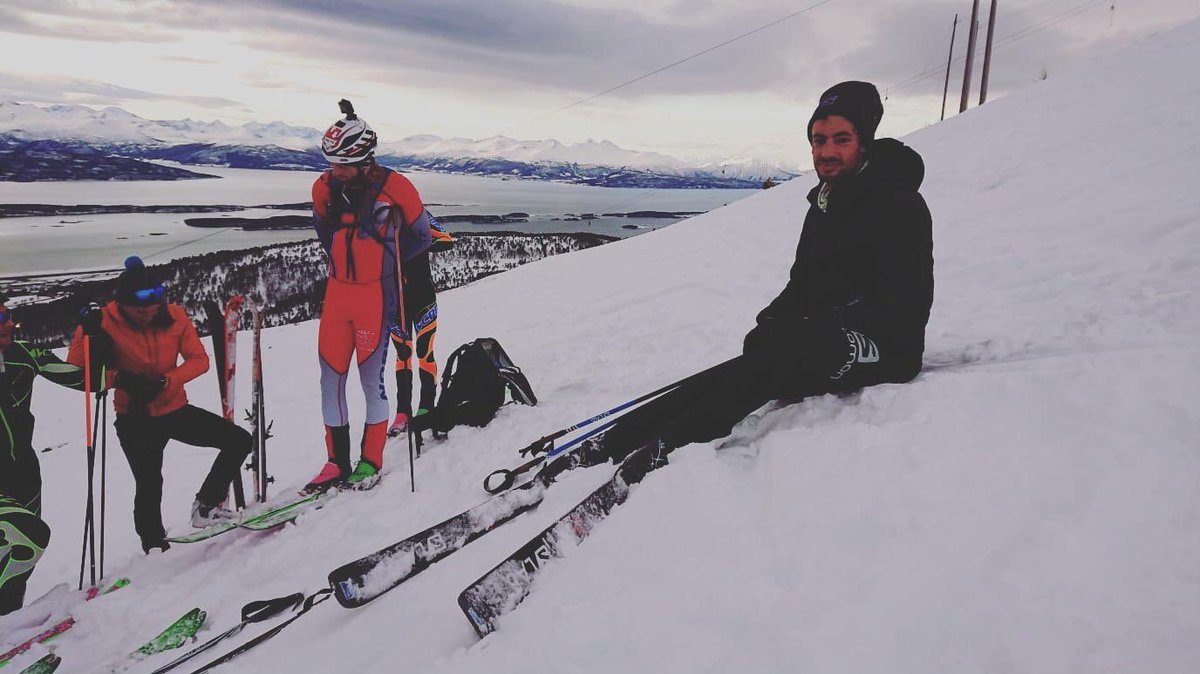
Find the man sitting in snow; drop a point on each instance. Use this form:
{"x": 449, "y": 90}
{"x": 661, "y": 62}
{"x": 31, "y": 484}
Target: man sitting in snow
{"x": 853, "y": 313}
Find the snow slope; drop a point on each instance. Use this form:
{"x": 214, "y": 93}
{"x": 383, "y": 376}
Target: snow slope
{"x": 1028, "y": 504}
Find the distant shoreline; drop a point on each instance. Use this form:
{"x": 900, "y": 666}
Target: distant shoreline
{"x": 287, "y": 278}
{"x": 43, "y": 210}
{"x": 296, "y": 221}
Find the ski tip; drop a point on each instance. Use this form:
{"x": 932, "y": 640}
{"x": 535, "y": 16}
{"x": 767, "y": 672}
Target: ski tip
{"x": 47, "y": 664}
{"x": 347, "y": 591}
{"x": 482, "y": 625}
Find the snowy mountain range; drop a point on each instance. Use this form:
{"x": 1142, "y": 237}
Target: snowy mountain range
{"x": 282, "y": 146}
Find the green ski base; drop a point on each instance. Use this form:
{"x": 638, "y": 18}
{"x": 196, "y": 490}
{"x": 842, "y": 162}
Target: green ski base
{"x": 267, "y": 519}
{"x": 177, "y": 634}
{"x": 46, "y": 665}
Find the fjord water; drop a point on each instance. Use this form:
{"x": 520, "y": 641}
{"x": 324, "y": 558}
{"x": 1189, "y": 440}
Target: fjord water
{"x": 58, "y": 243}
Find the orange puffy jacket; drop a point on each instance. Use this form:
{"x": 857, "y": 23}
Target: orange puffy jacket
{"x": 153, "y": 351}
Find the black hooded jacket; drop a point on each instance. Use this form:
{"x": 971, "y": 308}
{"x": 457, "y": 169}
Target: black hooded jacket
{"x": 866, "y": 263}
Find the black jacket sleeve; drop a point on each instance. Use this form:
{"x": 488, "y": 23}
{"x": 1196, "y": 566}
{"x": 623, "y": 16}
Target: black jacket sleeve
{"x": 792, "y": 301}
{"x": 901, "y": 299}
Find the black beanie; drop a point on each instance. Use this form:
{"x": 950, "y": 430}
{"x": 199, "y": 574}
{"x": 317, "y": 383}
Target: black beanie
{"x": 135, "y": 277}
{"x": 856, "y": 101}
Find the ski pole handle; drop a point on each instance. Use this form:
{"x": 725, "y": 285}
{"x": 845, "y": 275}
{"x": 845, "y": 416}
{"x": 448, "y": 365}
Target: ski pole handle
{"x": 258, "y": 611}
{"x": 509, "y": 477}
{"x": 538, "y": 446}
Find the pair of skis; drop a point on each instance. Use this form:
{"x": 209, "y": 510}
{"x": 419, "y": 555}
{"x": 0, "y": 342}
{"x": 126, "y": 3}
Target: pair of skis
{"x": 224, "y": 328}
{"x": 501, "y": 589}
{"x": 177, "y": 634}
{"x": 496, "y": 592}
{"x": 62, "y": 625}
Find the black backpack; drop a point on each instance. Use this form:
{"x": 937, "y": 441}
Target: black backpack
{"x": 473, "y": 385}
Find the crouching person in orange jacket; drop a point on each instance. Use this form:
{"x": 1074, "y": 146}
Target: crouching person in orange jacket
{"x": 143, "y": 337}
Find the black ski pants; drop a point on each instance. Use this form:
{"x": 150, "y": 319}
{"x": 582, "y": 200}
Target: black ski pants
{"x": 788, "y": 360}
{"x": 143, "y": 440}
{"x": 420, "y": 310}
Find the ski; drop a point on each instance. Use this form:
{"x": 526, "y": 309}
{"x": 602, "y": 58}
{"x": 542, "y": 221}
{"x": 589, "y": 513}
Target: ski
{"x": 176, "y": 635}
{"x": 267, "y": 518}
{"x": 48, "y": 664}
{"x": 279, "y": 516}
{"x": 64, "y": 624}
{"x": 255, "y": 611}
{"x": 223, "y": 326}
{"x": 365, "y": 579}
{"x": 257, "y": 415}
{"x": 500, "y": 590}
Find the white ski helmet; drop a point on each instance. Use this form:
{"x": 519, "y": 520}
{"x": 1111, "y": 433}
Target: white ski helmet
{"x": 349, "y": 140}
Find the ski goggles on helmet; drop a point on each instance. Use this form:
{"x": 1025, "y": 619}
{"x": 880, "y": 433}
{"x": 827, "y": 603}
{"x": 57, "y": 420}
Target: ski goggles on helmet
{"x": 149, "y": 295}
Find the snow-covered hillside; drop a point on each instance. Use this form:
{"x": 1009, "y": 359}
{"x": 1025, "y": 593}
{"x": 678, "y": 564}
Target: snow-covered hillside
{"x": 1028, "y": 504}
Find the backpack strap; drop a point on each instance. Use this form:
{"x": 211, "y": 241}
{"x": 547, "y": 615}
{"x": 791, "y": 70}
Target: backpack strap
{"x": 518, "y": 385}
{"x": 451, "y": 363}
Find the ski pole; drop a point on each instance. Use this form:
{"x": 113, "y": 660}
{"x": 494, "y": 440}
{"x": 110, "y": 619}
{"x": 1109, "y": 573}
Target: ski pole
{"x": 412, "y": 473}
{"x": 405, "y": 338}
{"x": 102, "y": 411}
{"x": 254, "y": 612}
{"x": 545, "y": 444}
{"x": 89, "y": 438}
{"x": 509, "y": 477}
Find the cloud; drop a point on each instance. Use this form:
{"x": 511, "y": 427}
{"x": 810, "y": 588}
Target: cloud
{"x": 190, "y": 59}
{"x": 91, "y": 92}
{"x": 526, "y": 43}
{"x": 52, "y": 19}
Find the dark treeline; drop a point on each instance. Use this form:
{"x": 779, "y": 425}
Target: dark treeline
{"x": 287, "y": 279}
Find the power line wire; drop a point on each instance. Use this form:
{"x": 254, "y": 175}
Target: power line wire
{"x": 681, "y": 61}
{"x": 1008, "y": 39}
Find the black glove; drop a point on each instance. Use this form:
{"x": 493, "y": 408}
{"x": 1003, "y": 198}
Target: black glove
{"x": 139, "y": 386}
{"x": 104, "y": 351}
{"x": 90, "y": 318}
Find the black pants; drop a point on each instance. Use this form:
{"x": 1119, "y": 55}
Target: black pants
{"x": 786, "y": 360}
{"x": 420, "y": 310}
{"x": 143, "y": 440}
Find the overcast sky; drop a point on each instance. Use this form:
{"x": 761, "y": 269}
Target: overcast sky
{"x": 476, "y": 68}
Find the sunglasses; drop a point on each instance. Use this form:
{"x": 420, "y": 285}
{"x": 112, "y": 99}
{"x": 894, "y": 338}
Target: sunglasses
{"x": 148, "y": 294}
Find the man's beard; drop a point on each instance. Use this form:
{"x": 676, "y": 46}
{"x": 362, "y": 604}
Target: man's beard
{"x": 843, "y": 169}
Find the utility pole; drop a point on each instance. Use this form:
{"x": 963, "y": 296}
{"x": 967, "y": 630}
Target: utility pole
{"x": 966, "y": 90}
{"x": 987, "y": 55}
{"x": 949, "y": 60}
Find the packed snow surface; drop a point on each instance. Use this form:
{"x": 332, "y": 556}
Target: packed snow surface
{"x": 1028, "y": 504}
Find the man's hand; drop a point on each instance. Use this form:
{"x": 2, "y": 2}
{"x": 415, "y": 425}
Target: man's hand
{"x": 140, "y": 386}
{"x": 90, "y": 318}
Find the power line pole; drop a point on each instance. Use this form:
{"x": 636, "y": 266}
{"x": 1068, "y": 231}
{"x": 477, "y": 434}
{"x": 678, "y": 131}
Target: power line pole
{"x": 946, "y": 87}
{"x": 987, "y": 55}
{"x": 966, "y": 90}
